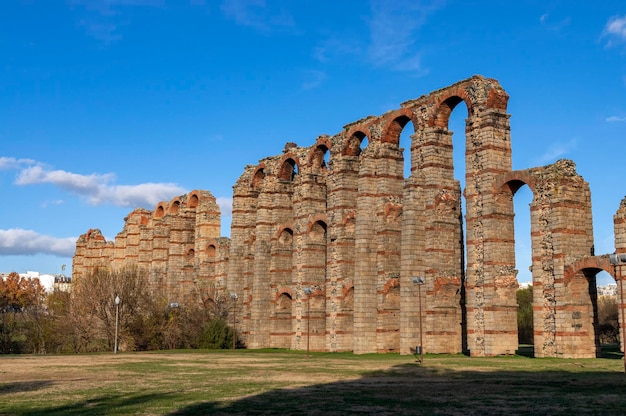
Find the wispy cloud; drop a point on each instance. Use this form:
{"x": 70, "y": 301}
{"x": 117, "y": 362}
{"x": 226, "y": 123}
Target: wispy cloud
{"x": 313, "y": 79}
{"x": 614, "y": 119}
{"x": 257, "y": 14}
{"x": 555, "y": 25}
{"x": 97, "y": 189}
{"x": 556, "y": 151}
{"x": 394, "y": 32}
{"x": 103, "y": 19}
{"x": 615, "y": 30}
{"x": 16, "y": 241}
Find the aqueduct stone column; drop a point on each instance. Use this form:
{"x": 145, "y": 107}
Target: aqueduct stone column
{"x": 490, "y": 284}
{"x": 342, "y": 196}
{"x": 619, "y": 224}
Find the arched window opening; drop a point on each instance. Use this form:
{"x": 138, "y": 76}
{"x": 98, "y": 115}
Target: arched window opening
{"x": 288, "y": 170}
{"x": 211, "y": 250}
{"x": 257, "y": 180}
{"x": 318, "y": 231}
{"x": 159, "y": 212}
{"x": 174, "y": 207}
{"x": 284, "y": 303}
{"x": 456, "y": 125}
{"x": 405, "y": 143}
{"x": 286, "y": 237}
{"x": 190, "y": 252}
{"x": 193, "y": 201}
{"x": 319, "y": 158}
{"x": 521, "y": 226}
{"x": 356, "y": 144}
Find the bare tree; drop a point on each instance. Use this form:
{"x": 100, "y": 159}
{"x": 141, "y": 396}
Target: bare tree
{"x": 93, "y": 307}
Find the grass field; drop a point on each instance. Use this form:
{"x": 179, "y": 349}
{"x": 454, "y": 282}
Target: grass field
{"x": 288, "y": 383}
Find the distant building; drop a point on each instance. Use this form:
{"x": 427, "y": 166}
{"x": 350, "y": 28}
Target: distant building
{"x": 48, "y": 281}
{"x": 608, "y": 290}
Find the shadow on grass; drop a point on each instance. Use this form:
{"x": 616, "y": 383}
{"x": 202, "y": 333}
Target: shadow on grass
{"x": 411, "y": 389}
{"x": 21, "y": 386}
{"x": 101, "y": 405}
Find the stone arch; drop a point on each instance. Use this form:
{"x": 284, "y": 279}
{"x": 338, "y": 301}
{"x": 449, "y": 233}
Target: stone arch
{"x": 193, "y": 200}
{"x": 282, "y": 322}
{"x": 174, "y": 206}
{"x": 511, "y": 182}
{"x": 284, "y": 235}
{"x": 352, "y": 146}
{"x": 396, "y": 123}
{"x": 390, "y": 287}
{"x": 282, "y": 291}
{"x": 316, "y": 156}
{"x": 289, "y": 168}
{"x": 159, "y": 211}
{"x": 593, "y": 264}
{"x": 444, "y": 109}
{"x": 211, "y": 251}
{"x": 317, "y": 228}
{"x": 257, "y": 177}
{"x": 477, "y": 93}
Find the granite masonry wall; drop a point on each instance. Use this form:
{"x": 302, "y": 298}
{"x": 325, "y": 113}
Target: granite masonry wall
{"x": 340, "y": 220}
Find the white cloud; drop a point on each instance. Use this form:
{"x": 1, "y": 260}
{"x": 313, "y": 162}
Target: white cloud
{"x": 97, "y": 189}
{"x": 10, "y": 163}
{"x": 615, "y": 30}
{"x": 556, "y": 151}
{"x": 16, "y": 241}
{"x": 613, "y": 119}
{"x": 393, "y": 32}
{"x": 226, "y": 206}
{"x": 257, "y": 14}
{"x": 145, "y": 195}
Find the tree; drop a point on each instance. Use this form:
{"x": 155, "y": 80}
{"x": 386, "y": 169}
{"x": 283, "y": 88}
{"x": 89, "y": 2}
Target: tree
{"x": 93, "y": 307}
{"x": 525, "y": 315}
{"x": 608, "y": 319}
{"x": 21, "y": 314}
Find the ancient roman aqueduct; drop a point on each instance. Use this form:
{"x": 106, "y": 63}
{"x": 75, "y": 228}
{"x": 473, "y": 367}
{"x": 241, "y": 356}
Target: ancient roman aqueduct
{"x": 340, "y": 218}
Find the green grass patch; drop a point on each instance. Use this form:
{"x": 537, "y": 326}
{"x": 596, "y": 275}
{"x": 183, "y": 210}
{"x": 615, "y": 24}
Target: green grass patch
{"x": 287, "y": 382}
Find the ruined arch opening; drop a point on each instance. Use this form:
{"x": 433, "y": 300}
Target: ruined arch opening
{"x": 257, "y": 179}
{"x": 174, "y": 207}
{"x": 583, "y": 299}
{"x": 320, "y": 158}
{"x": 288, "y": 170}
{"x": 193, "y": 201}
{"x": 282, "y": 325}
{"x": 405, "y": 125}
{"x": 451, "y": 127}
{"x": 455, "y": 113}
{"x": 318, "y": 232}
{"x": 515, "y": 285}
{"x": 356, "y": 144}
{"x": 159, "y": 212}
{"x": 285, "y": 239}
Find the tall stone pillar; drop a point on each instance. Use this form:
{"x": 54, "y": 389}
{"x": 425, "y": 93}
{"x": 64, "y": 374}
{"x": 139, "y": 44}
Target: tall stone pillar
{"x": 491, "y": 279}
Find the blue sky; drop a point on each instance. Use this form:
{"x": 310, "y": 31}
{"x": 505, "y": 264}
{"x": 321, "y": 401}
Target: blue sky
{"x": 110, "y": 105}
